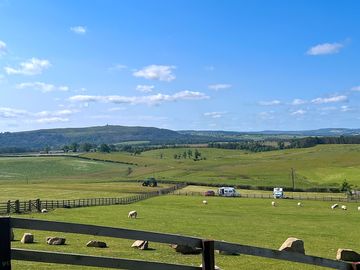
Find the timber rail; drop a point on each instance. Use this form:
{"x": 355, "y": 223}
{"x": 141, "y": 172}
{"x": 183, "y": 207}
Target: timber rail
{"x": 7, "y": 254}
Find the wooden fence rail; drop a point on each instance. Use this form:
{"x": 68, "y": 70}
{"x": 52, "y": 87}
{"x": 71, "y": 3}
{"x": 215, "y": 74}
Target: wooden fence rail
{"x": 36, "y": 205}
{"x": 208, "y": 247}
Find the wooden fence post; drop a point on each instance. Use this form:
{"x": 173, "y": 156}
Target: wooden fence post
{"x": 8, "y": 207}
{"x": 38, "y": 205}
{"x": 208, "y": 256}
{"x": 17, "y": 206}
{"x": 5, "y": 248}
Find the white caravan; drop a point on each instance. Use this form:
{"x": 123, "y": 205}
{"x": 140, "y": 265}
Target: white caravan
{"x": 227, "y": 192}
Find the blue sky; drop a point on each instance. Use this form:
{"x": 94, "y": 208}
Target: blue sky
{"x": 218, "y": 65}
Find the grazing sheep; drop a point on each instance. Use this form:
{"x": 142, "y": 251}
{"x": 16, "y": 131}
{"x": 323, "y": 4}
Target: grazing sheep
{"x": 343, "y": 207}
{"x": 358, "y": 208}
{"x": 299, "y": 204}
{"x": 204, "y": 202}
{"x": 334, "y": 206}
{"x": 44, "y": 210}
{"x": 132, "y": 214}
{"x": 273, "y": 203}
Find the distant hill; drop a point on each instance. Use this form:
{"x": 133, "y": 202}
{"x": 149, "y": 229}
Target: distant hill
{"x": 56, "y": 138}
{"x": 266, "y": 134}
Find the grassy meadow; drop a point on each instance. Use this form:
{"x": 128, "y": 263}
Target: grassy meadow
{"x": 246, "y": 221}
{"x": 323, "y": 165}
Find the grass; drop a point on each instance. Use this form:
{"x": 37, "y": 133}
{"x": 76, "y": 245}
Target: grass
{"x": 323, "y": 165}
{"x": 245, "y": 221}
{"x": 54, "y": 169}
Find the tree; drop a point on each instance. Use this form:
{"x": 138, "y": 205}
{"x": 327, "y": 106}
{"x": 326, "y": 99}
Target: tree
{"x": 161, "y": 155}
{"x": 129, "y": 171}
{"x": 66, "y": 148}
{"x": 189, "y": 152}
{"x": 346, "y": 187}
{"x": 74, "y": 147}
{"x": 86, "y": 147}
{"x": 197, "y": 154}
{"x": 104, "y": 148}
{"x": 184, "y": 155}
{"x": 175, "y": 156}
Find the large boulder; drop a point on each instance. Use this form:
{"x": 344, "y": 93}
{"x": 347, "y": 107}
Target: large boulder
{"x": 293, "y": 245}
{"x": 140, "y": 244}
{"x": 55, "y": 241}
{"x": 347, "y": 255}
{"x": 98, "y": 244}
{"x": 183, "y": 249}
{"x": 27, "y": 238}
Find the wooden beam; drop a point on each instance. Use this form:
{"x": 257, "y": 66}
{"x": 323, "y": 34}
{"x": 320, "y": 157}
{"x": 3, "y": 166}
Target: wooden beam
{"x": 281, "y": 255}
{"x": 66, "y": 227}
{"x": 208, "y": 255}
{"x": 86, "y": 260}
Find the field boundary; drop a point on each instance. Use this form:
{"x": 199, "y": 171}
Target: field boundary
{"x": 270, "y": 196}
{"x": 38, "y": 205}
{"x": 207, "y": 248}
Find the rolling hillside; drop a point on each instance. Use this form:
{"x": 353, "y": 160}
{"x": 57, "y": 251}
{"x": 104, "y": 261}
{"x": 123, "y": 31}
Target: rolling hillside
{"x": 55, "y": 138}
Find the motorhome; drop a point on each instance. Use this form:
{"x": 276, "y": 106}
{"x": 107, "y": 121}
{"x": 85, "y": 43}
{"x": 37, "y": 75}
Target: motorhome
{"x": 278, "y": 193}
{"x": 228, "y": 192}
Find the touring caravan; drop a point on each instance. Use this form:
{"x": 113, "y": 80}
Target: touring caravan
{"x": 278, "y": 193}
{"x": 227, "y": 192}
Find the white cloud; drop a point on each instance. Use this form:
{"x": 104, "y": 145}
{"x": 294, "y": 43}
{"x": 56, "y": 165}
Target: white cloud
{"x": 150, "y": 100}
{"x": 3, "y": 48}
{"x": 81, "y": 30}
{"x": 219, "y": 86}
{"x": 145, "y": 88}
{"x": 43, "y": 87}
{"x": 325, "y": 48}
{"x": 214, "y": 114}
{"x": 11, "y": 113}
{"x": 356, "y": 88}
{"x": 298, "y": 112}
{"x": 270, "y": 103}
{"x": 156, "y": 72}
{"x": 345, "y": 108}
{"x": 64, "y": 112}
{"x": 298, "y": 101}
{"x": 329, "y": 99}
{"x": 33, "y": 66}
{"x": 51, "y": 120}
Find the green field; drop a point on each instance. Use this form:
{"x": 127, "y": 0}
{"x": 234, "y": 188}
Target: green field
{"x": 323, "y": 165}
{"x": 245, "y": 221}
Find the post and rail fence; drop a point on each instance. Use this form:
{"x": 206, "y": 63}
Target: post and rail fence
{"x": 18, "y": 206}
{"x": 7, "y": 254}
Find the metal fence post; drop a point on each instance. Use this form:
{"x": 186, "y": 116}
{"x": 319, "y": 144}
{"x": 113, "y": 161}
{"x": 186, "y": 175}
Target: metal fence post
{"x": 5, "y": 248}
{"x": 208, "y": 256}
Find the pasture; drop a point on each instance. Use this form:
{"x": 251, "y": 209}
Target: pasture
{"x": 323, "y": 165}
{"x": 246, "y": 221}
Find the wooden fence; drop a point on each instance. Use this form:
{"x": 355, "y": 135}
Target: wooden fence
{"x": 37, "y": 205}
{"x": 270, "y": 196}
{"x": 208, "y": 246}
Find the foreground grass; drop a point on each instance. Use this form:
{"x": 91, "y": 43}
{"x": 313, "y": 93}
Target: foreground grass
{"x": 245, "y": 221}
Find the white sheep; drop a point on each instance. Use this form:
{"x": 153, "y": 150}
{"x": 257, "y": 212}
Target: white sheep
{"x": 44, "y": 210}
{"x": 299, "y": 204}
{"x": 204, "y": 202}
{"x": 334, "y": 206}
{"x": 343, "y": 207}
{"x": 358, "y": 208}
{"x": 132, "y": 214}
{"x": 273, "y": 203}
